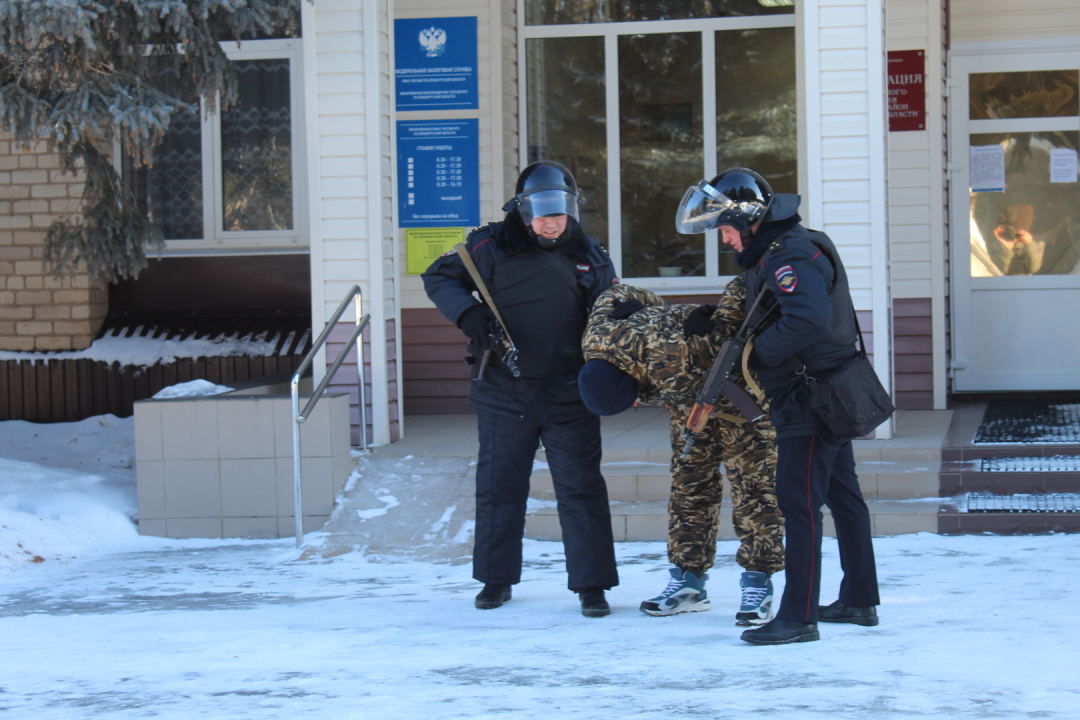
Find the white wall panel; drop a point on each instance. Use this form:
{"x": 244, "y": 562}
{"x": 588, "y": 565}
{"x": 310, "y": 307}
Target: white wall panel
{"x": 910, "y": 233}
{"x": 844, "y": 81}
{"x": 916, "y": 178}
{"x": 845, "y": 168}
{"x": 912, "y": 289}
{"x": 993, "y": 20}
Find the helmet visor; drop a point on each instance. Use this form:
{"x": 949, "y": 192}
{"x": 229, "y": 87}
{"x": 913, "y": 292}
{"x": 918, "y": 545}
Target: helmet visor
{"x": 700, "y": 209}
{"x": 704, "y": 208}
{"x": 547, "y": 202}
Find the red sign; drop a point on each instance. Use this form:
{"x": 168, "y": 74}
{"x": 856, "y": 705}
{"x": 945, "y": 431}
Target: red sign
{"x": 907, "y": 90}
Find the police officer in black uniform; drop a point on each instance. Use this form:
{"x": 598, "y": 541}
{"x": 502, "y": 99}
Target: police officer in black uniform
{"x": 812, "y": 330}
{"x": 543, "y": 273}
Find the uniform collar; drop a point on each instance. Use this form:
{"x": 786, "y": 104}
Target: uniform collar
{"x": 766, "y": 233}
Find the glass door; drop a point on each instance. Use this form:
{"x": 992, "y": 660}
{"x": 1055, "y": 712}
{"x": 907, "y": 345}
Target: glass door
{"x": 1015, "y": 132}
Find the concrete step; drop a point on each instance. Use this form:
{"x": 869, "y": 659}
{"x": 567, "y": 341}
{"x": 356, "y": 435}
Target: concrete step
{"x": 971, "y": 476}
{"x": 647, "y": 521}
{"x": 626, "y": 481}
{"x": 953, "y": 522}
{"x": 636, "y": 481}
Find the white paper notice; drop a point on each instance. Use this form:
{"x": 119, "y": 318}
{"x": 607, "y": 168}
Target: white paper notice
{"x": 1062, "y": 165}
{"x": 988, "y": 168}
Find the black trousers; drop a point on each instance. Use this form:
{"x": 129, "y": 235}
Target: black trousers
{"x": 507, "y": 449}
{"x": 812, "y": 471}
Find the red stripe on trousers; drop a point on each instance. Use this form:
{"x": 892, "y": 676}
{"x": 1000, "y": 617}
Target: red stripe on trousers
{"x": 813, "y": 527}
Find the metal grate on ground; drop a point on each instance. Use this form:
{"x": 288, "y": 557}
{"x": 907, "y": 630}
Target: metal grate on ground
{"x": 1054, "y": 463}
{"x": 978, "y": 502}
{"x": 1010, "y": 422}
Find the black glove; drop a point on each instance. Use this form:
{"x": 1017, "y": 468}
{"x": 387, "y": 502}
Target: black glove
{"x": 622, "y": 309}
{"x": 474, "y": 322}
{"x": 699, "y": 322}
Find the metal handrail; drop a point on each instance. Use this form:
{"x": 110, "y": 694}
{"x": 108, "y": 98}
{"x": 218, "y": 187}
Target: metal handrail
{"x": 300, "y": 417}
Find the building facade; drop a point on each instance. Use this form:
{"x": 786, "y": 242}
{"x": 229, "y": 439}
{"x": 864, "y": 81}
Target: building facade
{"x": 934, "y": 140}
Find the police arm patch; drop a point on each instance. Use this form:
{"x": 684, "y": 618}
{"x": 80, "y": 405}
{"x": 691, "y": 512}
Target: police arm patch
{"x": 786, "y": 279}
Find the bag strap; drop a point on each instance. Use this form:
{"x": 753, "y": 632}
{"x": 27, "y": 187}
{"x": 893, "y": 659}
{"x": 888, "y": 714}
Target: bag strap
{"x": 563, "y": 272}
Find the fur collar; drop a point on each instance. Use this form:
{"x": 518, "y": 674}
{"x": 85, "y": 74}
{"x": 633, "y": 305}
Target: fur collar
{"x": 513, "y": 236}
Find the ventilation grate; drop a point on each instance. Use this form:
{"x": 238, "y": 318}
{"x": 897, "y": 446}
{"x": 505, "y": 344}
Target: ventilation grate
{"x": 1055, "y": 463}
{"x": 1022, "y": 503}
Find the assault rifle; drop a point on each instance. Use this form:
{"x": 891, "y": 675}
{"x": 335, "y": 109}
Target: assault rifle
{"x": 497, "y": 331}
{"x": 719, "y": 381}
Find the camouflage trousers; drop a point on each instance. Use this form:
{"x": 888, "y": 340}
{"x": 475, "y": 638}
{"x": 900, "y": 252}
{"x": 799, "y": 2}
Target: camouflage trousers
{"x": 748, "y": 452}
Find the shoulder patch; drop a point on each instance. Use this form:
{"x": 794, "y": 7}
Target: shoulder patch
{"x": 786, "y": 279}
{"x": 615, "y": 281}
{"x": 584, "y": 268}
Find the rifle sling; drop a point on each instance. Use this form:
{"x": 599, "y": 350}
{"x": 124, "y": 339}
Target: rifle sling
{"x": 474, "y": 273}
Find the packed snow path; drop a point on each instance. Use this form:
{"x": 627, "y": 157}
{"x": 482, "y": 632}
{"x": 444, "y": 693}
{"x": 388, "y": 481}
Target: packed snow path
{"x": 374, "y": 618}
{"x": 972, "y": 627}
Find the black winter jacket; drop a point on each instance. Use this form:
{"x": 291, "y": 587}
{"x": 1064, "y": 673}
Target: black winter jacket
{"x": 815, "y": 322}
{"x": 536, "y": 316}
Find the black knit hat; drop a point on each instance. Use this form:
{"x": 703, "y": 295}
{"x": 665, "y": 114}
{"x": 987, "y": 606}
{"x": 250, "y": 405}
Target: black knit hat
{"x": 606, "y": 389}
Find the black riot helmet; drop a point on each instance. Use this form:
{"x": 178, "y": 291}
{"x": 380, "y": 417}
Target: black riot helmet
{"x": 737, "y": 197}
{"x": 544, "y": 188}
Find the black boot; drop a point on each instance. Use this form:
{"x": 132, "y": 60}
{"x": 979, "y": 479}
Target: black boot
{"x": 492, "y": 596}
{"x": 838, "y": 612}
{"x": 782, "y": 632}
{"x": 593, "y": 603}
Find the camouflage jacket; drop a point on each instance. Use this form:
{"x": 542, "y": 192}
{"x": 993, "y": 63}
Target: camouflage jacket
{"x": 650, "y": 344}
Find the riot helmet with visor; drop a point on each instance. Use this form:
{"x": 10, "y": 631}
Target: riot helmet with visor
{"x": 737, "y": 197}
{"x": 545, "y": 188}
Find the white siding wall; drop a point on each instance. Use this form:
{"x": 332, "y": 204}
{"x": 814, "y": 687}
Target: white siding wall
{"x": 918, "y": 230}
{"x": 348, "y": 110}
{"x": 850, "y": 104}
{"x": 842, "y": 49}
{"x": 987, "y": 20}
{"x": 496, "y": 61}
{"x": 914, "y": 188}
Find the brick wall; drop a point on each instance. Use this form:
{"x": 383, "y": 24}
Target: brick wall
{"x": 37, "y": 310}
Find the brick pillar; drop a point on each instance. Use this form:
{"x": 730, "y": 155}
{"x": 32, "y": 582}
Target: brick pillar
{"x": 37, "y": 310}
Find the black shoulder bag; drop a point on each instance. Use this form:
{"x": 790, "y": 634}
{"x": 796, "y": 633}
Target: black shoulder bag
{"x": 849, "y": 400}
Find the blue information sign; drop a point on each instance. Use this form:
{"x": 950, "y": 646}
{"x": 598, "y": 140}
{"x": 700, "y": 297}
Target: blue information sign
{"x": 435, "y": 64}
{"x": 438, "y": 173}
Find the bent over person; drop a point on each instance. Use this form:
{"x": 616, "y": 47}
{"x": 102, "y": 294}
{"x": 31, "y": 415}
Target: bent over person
{"x": 800, "y": 274}
{"x": 638, "y": 348}
{"x": 543, "y": 274}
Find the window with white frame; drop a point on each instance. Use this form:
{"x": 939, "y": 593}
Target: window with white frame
{"x": 231, "y": 181}
{"x": 695, "y": 86}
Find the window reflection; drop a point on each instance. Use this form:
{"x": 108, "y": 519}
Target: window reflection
{"x": 756, "y": 111}
{"x": 170, "y": 192}
{"x": 562, "y": 12}
{"x": 660, "y": 121}
{"x": 1046, "y": 93}
{"x": 256, "y": 149}
{"x": 567, "y": 118}
{"x": 1033, "y": 228}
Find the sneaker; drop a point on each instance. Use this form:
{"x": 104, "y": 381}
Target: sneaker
{"x": 593, "y": 603}
{"x": 492, "y": 596}
{"x": 757, "y": 595}
{"x": 685, "y": 592}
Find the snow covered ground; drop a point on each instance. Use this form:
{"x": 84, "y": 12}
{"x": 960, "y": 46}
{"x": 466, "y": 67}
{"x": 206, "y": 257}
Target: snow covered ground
{"x": 96, "y": 621}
